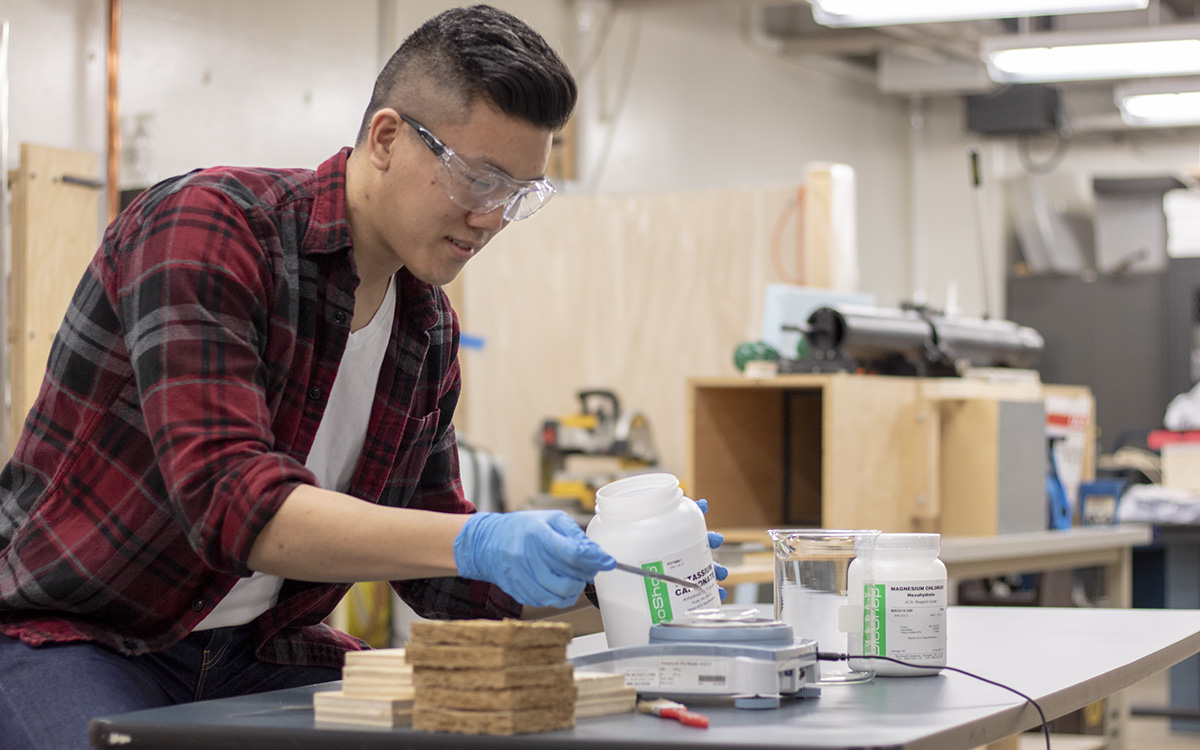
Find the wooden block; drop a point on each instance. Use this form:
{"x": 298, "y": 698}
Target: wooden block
{"x": 376, "y": 690}
{"x": 493, "y": 700}
{"x": 342, "y": 717}
{"x": 602, "y": 694}
{"x": 595, "y": 683}
{"x": 494, "y": 722}
{"x": 620, "y": 701}
{"x": 376, "y": 674}
{"x": 558, "y": 675}
{"x": 337, "y": 699}
{"x": 483, "y": 657}
{"x": 379, "y": 658}
{"x": 373, "y": 688}
{"x": 378, "y": 678}
{"x": 491, "y": 632}
{"x": 335, "y": 706}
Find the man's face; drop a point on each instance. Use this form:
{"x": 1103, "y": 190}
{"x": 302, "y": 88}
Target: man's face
{"x": 418, "y": 223}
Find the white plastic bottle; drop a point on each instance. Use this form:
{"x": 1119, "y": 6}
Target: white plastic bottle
{"x": 903, "y": 584}
{"x": 645, "y": 520}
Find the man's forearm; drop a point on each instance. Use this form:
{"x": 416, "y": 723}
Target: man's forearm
{"x": 326, "y": 536}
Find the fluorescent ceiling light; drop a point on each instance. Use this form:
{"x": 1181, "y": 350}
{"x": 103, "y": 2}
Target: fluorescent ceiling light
{"x": 884, "y": 12}
{"x": 1160, "y": 102}
{"x": 1162, "y": 109}
{"x": 1078, "y": 56}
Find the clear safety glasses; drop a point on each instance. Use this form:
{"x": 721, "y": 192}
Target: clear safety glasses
{"x": 483, "y": 189}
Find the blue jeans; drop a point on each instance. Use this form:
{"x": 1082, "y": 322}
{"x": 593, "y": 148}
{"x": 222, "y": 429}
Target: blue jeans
{"x": 49, "y": 695}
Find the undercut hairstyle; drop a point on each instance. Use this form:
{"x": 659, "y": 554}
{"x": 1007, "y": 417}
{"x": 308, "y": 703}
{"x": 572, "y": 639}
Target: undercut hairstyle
{"x": 480, "y": 52}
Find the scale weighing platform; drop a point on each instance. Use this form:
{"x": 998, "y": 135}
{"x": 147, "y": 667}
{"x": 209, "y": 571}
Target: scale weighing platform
{"x": 716, "y": 653}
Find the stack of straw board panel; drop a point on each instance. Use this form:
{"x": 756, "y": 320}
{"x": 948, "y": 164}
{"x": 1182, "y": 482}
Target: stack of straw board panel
{"x": 377, "y": 690}
{"x": 379, "y": 686}
{"x": 491, "y": 677}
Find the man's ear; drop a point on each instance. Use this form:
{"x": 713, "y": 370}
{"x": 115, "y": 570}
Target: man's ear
{"x": 382, "y": 139}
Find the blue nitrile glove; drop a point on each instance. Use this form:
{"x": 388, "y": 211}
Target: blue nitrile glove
{"x": 538, "y": 557}
{"x": 715, "y": 540}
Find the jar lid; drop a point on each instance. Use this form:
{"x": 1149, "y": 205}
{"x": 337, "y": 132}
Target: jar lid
{"x": 638, "y": 496}
{"x": 909, "y": 541}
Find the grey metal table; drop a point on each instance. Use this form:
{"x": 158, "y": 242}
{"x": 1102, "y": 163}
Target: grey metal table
{"x": 1181, "y": 546}
{"x": 1064, "y": 658}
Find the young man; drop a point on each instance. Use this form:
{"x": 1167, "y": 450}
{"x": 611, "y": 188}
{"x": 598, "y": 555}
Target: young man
{"x": 249, "y": 405}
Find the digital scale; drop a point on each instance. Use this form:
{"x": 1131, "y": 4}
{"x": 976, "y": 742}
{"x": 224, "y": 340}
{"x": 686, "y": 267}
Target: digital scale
{"x": 721, "y": 652}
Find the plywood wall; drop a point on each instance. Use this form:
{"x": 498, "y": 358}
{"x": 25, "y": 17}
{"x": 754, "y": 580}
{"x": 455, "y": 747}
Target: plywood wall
{"x": 54, "y": 238}
{"x": 632, "y": 293}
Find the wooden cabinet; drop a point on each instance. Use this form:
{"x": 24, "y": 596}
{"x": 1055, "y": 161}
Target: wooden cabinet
{"x": 956, "y": 456}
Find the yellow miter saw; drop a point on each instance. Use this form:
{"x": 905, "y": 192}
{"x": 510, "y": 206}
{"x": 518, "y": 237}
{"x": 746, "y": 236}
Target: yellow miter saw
{"x": 582, "y": 452}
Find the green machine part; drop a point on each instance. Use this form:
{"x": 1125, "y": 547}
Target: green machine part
{"x": 752, "y": 351}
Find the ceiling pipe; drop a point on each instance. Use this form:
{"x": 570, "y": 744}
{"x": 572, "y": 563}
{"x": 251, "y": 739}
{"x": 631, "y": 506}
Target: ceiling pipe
{"x": 963, "y": 44}
{"x": 755, "y": 36}
{"x": 931, "y": 42}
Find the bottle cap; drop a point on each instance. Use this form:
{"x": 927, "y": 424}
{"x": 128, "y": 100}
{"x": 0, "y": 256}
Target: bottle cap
{"x": 909, "y": 541}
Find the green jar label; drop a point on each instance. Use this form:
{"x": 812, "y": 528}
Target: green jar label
{"x": 905, "y": 620}
{"x": 658, "y": 594}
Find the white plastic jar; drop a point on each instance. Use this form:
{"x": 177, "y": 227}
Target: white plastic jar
{"x": 903, "y": 584}
{"x": 646, "y": 521}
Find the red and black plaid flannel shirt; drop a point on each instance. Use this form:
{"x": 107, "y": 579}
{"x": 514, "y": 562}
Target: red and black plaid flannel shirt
{"x": 182, "y": 395}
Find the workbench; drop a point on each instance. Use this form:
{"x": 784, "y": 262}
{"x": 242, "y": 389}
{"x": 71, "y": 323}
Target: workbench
{"x": 1064, "y": 658}
{"x": 1106, "y": 547}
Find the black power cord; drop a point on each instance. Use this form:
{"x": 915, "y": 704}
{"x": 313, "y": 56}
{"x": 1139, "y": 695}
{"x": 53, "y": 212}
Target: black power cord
{"x": 826, "y": 656}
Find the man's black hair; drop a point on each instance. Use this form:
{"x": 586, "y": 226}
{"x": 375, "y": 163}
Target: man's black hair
{"x": 477, "y": 53}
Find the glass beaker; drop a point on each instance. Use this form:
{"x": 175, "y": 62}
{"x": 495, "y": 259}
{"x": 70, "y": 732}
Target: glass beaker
{"x": 811, "y": 593}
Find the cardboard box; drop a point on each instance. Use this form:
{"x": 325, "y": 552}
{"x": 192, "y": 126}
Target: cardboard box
{"x": 1181, "y": 466}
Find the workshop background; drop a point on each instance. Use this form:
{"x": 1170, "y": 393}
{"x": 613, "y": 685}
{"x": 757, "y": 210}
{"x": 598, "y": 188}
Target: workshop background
{"x": 721, "y": 149}
{"x": 698, "y": 125}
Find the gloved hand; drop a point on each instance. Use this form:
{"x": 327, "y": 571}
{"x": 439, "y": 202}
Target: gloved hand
{"x": 541, "y": 558}
{"x": 715, "y": 539}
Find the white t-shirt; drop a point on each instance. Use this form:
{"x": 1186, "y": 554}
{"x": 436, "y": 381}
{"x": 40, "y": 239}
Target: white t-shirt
{"x": 334, "y": 455}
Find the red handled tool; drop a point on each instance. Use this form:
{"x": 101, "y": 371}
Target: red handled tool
{"x": 672, "y": 710}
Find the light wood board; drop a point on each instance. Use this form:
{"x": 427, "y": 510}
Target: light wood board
{"x": 54, "y": 239}
{"x": 634, "y": 293}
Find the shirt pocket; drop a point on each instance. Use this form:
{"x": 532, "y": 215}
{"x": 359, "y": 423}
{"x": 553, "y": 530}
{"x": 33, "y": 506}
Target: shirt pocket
{"x": 413, "y": 468}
